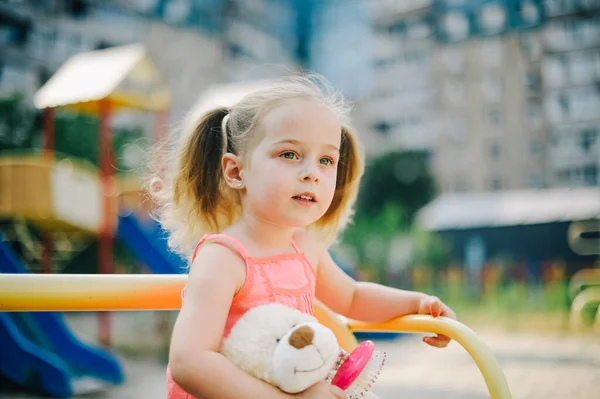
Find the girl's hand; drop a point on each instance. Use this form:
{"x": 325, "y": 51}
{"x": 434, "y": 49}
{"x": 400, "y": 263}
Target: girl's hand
{"x": 431, "y": 305}
{"x": 322, "y": 390}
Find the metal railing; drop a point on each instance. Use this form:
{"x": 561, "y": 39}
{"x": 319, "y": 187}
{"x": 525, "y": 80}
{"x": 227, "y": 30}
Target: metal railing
{"x": 67, "y": 293}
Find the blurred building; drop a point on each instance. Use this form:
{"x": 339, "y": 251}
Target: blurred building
{"x": 486, "y": 85}
{"x": 570, "y": 72}
{"x": 37, "y": 37}
{"x": 399, "y": 112}
{"x": 499, "y": 94}
{"x": 517, "y": 82}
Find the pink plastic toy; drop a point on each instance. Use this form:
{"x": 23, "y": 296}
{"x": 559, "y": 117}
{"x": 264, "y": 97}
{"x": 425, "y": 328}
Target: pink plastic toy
{"x": 356, "y": 372}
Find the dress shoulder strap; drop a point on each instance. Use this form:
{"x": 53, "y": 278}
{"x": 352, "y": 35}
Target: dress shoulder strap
{"x": 296, "y": 247}
{"x": 224, "y": 239}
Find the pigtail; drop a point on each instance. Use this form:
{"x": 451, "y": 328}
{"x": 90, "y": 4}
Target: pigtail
{"x": 195, "y": 200}
{"x": 349, "y": 173}
{"x": 201, "y": 177}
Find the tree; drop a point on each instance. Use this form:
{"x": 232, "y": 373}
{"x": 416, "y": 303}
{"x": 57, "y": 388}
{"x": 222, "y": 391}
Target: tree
{"x": 17, "y": 124}
{"x": 75, "y": 135}
{"x": 398, "y": 178}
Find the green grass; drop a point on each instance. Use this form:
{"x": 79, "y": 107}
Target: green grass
{"x": 513, "y": 306}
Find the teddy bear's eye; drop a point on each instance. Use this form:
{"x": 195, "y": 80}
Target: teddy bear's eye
{"x": 278, "y": 339}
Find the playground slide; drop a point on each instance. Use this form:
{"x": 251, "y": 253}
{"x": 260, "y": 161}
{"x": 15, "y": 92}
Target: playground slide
{"x": 40, "y": 352}
{"x": 148, "y": 243}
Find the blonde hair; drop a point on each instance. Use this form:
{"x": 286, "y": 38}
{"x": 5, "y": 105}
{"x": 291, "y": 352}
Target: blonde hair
{"x": 193, "y": 198}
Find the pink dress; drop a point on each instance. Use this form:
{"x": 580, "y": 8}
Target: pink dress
{"x": 288, "y": 279}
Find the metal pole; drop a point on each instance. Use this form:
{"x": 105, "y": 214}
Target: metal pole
{"x": 105, "y": 250}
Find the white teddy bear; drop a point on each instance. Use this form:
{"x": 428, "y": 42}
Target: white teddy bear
{"x": 288, "y": 349}
{"x": 282, "y": 346}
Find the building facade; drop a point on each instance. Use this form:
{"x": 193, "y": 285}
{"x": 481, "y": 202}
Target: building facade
{"x": 498, "y": 94}
{"x": 517, "y": 82}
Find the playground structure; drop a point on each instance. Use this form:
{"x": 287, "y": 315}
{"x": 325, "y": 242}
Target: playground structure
{"x": 72, "y": 197}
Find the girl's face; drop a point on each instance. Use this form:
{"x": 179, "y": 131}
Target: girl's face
{"x": 290, "y": 175}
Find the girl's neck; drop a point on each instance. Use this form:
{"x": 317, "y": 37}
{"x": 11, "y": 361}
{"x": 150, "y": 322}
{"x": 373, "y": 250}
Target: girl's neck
{"x": 262, "y": 233}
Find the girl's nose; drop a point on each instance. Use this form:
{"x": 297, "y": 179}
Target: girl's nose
{"x": 309, "y": 174}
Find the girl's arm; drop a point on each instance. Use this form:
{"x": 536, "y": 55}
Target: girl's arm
{"x": 194, "y": 360}
{"x": 364, "y": 301}
{"x": 371, "y": 302}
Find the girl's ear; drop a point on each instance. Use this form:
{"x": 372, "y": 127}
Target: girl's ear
{"x": 232, "y": 171}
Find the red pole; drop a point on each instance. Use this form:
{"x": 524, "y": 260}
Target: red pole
{"x": 46, "y": 253}
{"x": 48, "y": 138}
{"x": 48, "y": 154}
{"x": 105, "y": 250}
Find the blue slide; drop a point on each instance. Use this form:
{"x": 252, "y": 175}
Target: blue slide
{"x": 148, "y": 243}
{"x": 40, "y": 352}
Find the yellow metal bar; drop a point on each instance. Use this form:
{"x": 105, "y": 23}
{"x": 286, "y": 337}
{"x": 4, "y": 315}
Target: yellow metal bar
{"x": 337, "y": 324}
{"x": 582, "y": 279}
{"x": 77, "y": 292}
{"x": 587, "y": 297}
{"x": 467, "y": 338}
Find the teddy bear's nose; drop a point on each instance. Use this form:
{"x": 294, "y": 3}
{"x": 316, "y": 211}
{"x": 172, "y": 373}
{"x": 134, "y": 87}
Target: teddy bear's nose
{"x": 302, "y": 337}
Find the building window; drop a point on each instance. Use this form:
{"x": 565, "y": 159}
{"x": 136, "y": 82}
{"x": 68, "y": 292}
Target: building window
{"x": 534, "y": 181}
{"x": 492, "y": 88}
{"x": 493, "y": 117}
{"x": 560, "y": 7}
{"x": 529, "y": 12}
{"x": 532, "y": 82}
{"x": 456, "y": 25}
{"x": 590, "y": 175}
{"x": 418, "y": 29}
{"x": 495, "y": 184}
{"x": 456, "y": 128}
{"x": 563, "y": 103}
{"x": 453, "y": 59}
{"x": 494, "y": 151}
{"x": 383, "y": 127}
{"x": 533, "y": 115}
{"x": 535, "y": 147}
{"x": 531, "y": 46}
{"x": 588, "y": 138}
{"x": 455, "y": 92}
{"x": 493, "y": 17}
{"x": 581, "y": 68}
{"x": 177, "y": 12}
{"x": 491, "y": 53}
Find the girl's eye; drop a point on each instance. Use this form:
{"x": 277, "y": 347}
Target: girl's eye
{"x": 326, "y": 161}
{"x": 289, "y": 155}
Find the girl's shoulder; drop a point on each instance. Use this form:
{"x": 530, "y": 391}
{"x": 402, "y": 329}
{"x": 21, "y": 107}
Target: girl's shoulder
{"x": 216, "y": 257}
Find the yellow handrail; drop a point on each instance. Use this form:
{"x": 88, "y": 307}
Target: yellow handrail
{"x": 585, "y": 298}
{"x": 480, "y": 352}
{"x": 78, "y": 292}
{"x": 95, "y": 292}
{"x": 583, "y": 279}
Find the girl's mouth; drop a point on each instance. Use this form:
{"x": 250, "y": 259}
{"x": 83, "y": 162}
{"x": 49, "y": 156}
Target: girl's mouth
{"x": 305, "y": 199}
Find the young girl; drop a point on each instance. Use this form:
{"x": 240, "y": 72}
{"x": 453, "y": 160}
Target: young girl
{"x": 265, "y": 187}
